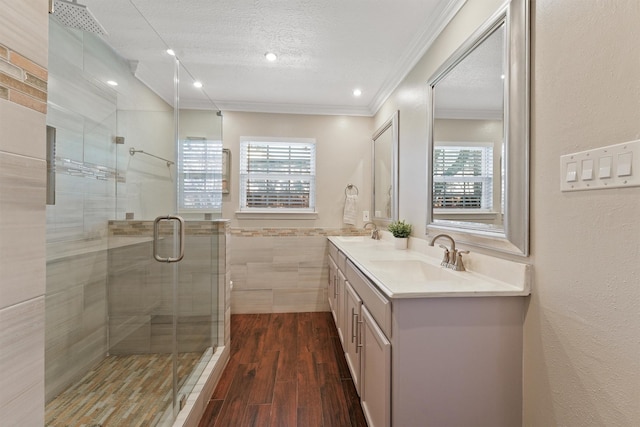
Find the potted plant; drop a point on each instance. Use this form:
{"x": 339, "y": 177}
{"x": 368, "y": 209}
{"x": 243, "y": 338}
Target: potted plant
{"x": 401, "y": 231}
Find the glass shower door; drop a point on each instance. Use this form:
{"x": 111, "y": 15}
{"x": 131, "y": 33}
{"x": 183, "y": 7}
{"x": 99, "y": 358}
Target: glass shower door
{"x": 126, "y": 336}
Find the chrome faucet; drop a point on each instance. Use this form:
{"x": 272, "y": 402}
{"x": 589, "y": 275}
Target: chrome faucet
{"x": 452, "y": 257}
{"x": 375, "y": 234}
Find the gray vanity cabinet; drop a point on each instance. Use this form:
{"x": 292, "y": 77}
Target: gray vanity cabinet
{"x": 456, "y": 361}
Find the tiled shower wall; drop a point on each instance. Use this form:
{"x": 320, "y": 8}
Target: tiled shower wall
{"x": 84, "y": 115}
{"x": 23, "y": 94}
{"x": 281, "y": 270}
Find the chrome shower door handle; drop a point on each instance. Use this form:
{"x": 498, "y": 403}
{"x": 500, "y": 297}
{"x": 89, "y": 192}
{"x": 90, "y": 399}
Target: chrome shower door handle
{"x": 156, "y": 234}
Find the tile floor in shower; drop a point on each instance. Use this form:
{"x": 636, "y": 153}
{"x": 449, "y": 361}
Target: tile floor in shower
{"x": 131, "y": 390}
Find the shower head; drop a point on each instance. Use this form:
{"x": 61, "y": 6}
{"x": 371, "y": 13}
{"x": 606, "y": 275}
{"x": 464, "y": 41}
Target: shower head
{"x": 75, "y": 15}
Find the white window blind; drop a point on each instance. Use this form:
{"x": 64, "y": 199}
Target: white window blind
{"x": 463, "y": 177}
{"x": 277, "y": 175}
{"x": 199, "y": 175}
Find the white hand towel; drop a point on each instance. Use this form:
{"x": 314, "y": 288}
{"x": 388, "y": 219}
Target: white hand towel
{"x": 350, "y": 209}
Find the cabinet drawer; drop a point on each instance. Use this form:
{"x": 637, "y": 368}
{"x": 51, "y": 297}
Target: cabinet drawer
{"x": 333, "y": 252}
{"x": 377, "y": 304}
{"x": 342, "y": 261}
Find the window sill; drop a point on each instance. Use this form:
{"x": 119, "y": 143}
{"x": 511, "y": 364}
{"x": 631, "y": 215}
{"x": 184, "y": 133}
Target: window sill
{"x": 276, "y": 215}
{"x": 465, "y": 215}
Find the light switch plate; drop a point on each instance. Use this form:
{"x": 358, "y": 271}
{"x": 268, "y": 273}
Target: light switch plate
{"x": 365, "y": 215}
{"x": 614, "y": 166}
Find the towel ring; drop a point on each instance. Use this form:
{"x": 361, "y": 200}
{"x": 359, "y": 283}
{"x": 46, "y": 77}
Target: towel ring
{"x": 349, "y": 188}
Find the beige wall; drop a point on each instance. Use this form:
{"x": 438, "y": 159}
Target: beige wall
{"x": 582, "y": 330}
{"x": 343, "y": 150}
{"x": 582, "y": 326}
{"x": 23, "y": 94}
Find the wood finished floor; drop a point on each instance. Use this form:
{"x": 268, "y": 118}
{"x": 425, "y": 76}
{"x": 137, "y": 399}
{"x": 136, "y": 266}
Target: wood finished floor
{"x": 285, "y": 370}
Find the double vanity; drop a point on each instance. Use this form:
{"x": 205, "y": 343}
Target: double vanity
{"x": 427, "y": 345}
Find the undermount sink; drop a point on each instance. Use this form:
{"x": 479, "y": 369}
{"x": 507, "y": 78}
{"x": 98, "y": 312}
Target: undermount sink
{"x": 414, "y": 271}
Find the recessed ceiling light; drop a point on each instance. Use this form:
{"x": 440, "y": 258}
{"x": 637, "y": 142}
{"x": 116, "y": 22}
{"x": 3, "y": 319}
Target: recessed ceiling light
{"x": 271, "y": 57}
{"x": 197, "y": 84}
{"x": 112, "y": 83}
{"x": 502, "y": 76}
{"x": 357, "y": 92}
{"x": 171, "y": 52}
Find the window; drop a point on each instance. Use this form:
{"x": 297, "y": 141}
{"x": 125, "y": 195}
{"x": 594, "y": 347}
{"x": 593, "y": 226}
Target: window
{"x": 463, "y": 177}
{"x": 199, "y": 175}
{"x": 277, "y": 175}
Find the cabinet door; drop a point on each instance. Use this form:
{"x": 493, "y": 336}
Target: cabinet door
{"x": 352, "y": 320}
{"x": 375, "y": 386}
{"x": 340, "y": 316}
{"x": 332, "y": 288}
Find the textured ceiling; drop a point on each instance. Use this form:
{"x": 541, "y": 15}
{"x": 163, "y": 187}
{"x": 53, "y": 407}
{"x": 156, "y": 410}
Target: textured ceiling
{"x": 325, "y": 49}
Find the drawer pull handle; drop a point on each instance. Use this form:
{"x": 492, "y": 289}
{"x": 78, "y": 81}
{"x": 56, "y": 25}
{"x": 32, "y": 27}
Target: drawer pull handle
{"x": 359, "y": 343}
{"x": 353, "y": 326}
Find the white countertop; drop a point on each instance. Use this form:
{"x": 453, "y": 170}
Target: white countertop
{"x": 416, "y": 272}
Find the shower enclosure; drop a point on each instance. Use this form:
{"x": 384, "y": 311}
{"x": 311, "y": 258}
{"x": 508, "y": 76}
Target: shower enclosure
{"x": 128, "y": 332}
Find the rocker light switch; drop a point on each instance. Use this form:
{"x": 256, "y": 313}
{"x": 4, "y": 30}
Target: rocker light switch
{"x": 624, "y": 164}
{"x": 572, "y": 172}
{"x": 587, "y": 170}
{"x": 605, "y": 167}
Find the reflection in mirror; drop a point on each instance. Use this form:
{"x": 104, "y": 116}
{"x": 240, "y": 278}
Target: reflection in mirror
{"x": 385, "y": 171}
{"x": 468, "y": 134}
{"x": 478, "y": 136}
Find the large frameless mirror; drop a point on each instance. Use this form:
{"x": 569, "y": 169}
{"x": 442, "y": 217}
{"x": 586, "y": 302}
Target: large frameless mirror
{"x": 385, "y": 171}
{"x": 479, "y": 136}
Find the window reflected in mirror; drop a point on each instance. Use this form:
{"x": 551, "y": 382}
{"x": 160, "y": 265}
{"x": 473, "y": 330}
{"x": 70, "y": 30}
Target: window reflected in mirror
{"x": 468, "y": 135}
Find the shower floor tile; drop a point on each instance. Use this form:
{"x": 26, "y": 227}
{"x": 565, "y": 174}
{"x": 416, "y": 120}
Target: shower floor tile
{"x": 131, "y": 390}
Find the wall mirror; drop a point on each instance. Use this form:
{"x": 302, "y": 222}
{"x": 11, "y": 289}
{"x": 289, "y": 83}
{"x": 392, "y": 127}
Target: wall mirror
{"x": 385, "y": 171}
{"x": 479, "y": 137}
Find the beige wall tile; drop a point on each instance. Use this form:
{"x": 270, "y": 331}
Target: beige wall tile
{"x": 22, "y": 364}
{"x": 239, "y": 276}
{"x": 297, "y": 300}
{"x": 254, "y": 301}
{"x": 22, "y": 227}
{"x": 282, "y": 262}
{"x": 262, "y": 275}
{"x": 24, "y": 28}
{"x": 312, "y": 277}
{"x": 23, "y": 130}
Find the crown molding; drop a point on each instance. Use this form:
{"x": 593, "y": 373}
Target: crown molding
{"x": 314, "y": 109}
